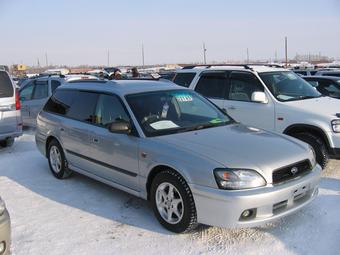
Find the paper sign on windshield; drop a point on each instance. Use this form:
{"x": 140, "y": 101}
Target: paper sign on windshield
{"x": 163, "y": 124}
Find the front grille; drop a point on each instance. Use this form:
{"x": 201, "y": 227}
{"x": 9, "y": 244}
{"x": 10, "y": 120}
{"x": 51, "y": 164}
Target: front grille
{"x": 292, "y": 171}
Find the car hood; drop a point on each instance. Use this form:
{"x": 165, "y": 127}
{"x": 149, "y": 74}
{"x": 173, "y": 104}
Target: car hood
{"x": 238, "y": 146}
{"x": 325, "y": 106}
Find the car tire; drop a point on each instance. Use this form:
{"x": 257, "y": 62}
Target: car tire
{"x": 7, "y": 143}
{"x": 180, "y": 204}
{"x": 57, "y": 161}
{"x": 318, "y": 145}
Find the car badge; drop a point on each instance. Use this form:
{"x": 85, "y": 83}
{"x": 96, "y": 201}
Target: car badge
{"x": 294, "y": 170}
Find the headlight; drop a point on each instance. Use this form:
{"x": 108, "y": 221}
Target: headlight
{"x": 2, "y": 207}
{"x": 313, "y": 156}
{"x": 238, "y": 179}
{"x": 336, "y": 126}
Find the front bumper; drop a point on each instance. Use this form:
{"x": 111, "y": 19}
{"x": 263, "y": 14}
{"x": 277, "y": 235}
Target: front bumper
{"x": 334, "y": 142}
{"x": 224, "y": 208}
{"x": 5, "y": 232}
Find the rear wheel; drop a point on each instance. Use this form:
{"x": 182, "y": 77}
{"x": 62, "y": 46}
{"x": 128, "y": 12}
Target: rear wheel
{"x": 7, "y": 143}
{"x": 172, "y": 202}
{"x": 57, "y": 160}
{"x": 318, "y": 145}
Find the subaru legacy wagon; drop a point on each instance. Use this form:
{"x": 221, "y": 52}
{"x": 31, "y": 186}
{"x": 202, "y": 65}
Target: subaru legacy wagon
{"x": 173, "y": 147}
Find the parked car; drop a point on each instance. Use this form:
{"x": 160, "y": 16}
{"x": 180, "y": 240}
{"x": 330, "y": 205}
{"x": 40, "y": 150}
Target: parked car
{"x": 170, "y": 145}
{"x": 326, "y": 85}
{"x": 34, "y": 94}
{"x": 274, "y": 99}
{"x": 335, "y": 72}
{"x": 305, "y": 72}
{"x": 5, "y": 229}
{"x": 10, "y": 116}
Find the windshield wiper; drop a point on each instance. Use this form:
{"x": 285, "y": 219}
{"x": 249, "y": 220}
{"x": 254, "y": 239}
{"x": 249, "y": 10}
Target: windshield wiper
{"x": 202, "y": 126}
{"x": 303, "y": 98}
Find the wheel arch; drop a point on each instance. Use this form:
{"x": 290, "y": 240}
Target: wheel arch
{"x": 154, "y": 171}
{"x": 305, "y": 128}
{"x": 48, "y": 140}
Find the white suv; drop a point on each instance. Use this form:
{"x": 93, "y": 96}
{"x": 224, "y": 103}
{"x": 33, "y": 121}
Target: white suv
{"x": 273, "y": 99}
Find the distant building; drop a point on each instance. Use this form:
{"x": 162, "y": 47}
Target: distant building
{"x": 312, "y": 58}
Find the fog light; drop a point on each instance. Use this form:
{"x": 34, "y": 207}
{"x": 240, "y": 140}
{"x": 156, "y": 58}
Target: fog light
{"x": 247, "y": 214}
{"x": 2, "y": 247}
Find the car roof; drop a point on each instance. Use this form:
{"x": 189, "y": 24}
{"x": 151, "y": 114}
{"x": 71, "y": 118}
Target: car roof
{"x": 330, "y": 71}
{"x": 323, "y": 77}
{"x": 249, "y": 68}
{"x": 122, "y": 87}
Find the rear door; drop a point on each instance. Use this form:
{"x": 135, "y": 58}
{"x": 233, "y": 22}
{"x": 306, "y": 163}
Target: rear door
{"x": 74, "y": 112}
{"x": 239, "y": 104}
{"x": 39, "y": 98}
{"x": 214, "y": 86}
{"x": 26, "y": 94}
{"x": 8, "y": 121}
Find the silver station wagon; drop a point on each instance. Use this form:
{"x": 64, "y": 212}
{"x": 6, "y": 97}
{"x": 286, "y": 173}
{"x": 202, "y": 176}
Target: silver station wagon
{"x": 170, "y": 145}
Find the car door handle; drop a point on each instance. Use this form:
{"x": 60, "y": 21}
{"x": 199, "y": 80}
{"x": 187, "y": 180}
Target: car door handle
{"x": 62, "y": 129}
{"x": 95, "y": 140}
{"x": 232, "y": 108}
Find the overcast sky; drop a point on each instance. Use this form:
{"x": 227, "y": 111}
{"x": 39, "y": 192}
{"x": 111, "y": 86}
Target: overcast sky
{"x": 77, "y": 32}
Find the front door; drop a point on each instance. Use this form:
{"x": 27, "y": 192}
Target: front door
{"x": 239, "y": 104}
{"x": 213, "y": 85}
{"x": 116, "y": 154}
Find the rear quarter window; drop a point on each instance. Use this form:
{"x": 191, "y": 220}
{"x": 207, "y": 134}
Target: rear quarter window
{"x": 6, "y": 87}
{"x": 184, "y": 79}
{"x": 78, "y": 105}
{"x": 60, "y": 102}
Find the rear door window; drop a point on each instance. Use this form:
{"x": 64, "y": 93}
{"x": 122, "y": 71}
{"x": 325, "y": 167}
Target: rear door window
{"x": 184, "y": 79}
{"x": 83, "y": 107}
{"x": 212, "y": 85}
{"x": 40, "y": 90}
{"x": 243, "y": 85}
{"x": 60, "y": 102}
{"x": 27, "y": 92}
{"x": 6, "y": 87}
{"x": 314, "y": 83}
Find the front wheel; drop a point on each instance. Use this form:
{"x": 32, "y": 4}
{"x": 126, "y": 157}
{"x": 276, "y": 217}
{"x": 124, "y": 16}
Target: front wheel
{"x": 318, "y": 145}
{"x": 173, "y": 202}
{"x": 57, "y": 160}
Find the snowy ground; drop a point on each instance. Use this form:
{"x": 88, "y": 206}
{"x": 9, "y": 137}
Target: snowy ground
{"x": 82, "y": 216}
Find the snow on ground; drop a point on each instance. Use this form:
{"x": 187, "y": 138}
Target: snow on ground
{"x": 82, "y": 216}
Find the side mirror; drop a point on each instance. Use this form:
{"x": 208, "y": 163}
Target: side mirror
{"x": 22, "y": 99}
{"x": 259, "y": 97}
{"x": 120, "y": 127}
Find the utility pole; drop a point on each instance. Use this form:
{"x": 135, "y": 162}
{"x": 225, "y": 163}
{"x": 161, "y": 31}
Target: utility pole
{"x": 247, "y": 56}
{"x": 276, "y": 56}
{"x": 286, "y": 51}
{"x": 108, "y": 58}
{"x": 204, "y": 54}
{"x": 143, "y": 54}
{"x": 46, "y": 59}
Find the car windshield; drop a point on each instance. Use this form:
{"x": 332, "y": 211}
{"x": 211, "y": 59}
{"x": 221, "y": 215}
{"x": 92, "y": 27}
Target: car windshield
{"x": 174, "y": 111}
{"x": 288, "y": 86}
